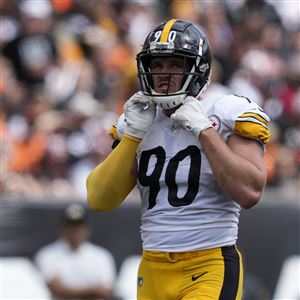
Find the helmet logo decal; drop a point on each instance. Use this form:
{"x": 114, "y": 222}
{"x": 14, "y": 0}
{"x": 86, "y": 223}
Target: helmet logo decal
{"x": 204, "y": 67}
{"x": 166, "y": 30}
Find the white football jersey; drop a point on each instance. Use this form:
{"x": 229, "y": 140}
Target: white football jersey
{"x": 183, "y": 207}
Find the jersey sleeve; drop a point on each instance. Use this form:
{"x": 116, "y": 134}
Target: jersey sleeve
{"x": 253, "y": 124}
{"x": 245, "y": 118}
{"x": 109, "y": 183}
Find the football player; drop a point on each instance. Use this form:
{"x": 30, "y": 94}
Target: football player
{"x": 196, "y": 162}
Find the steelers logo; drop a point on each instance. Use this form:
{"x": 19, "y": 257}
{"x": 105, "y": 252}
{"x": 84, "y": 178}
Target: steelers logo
{"x": 215, "y": 122}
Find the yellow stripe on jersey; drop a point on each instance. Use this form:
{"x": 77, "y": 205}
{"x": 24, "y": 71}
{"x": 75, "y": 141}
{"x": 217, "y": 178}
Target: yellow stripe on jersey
{"x": 252, "y": 130}
{"x": 114, "y": 133}
{"x": 166, "y": 30}
{"x": 255, "y": 116}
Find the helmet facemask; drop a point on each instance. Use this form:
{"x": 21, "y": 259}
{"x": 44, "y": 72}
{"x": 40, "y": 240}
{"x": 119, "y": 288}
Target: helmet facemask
{"x": 170, "y": 98}
{"x": 195, "y": 74}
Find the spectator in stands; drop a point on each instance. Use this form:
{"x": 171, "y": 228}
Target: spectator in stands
{"x": 73, "y": 267}
{"x": 33, "y": 52}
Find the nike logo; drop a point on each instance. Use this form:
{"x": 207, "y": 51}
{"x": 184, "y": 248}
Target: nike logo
{"x": 195, "y": 277}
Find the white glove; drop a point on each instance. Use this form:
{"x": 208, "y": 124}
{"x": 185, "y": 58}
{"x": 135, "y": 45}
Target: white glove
{"x": 139, "y": 113}
{"x": 191, "y": 116}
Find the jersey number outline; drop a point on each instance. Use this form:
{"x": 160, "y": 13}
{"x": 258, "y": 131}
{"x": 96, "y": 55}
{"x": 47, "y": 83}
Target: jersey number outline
{"x": 152, "y": 180}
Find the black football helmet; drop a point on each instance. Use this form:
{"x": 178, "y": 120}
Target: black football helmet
{"x": 182, "y": 39}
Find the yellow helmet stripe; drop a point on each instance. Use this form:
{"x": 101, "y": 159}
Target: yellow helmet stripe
{"x": 166, "y": 30}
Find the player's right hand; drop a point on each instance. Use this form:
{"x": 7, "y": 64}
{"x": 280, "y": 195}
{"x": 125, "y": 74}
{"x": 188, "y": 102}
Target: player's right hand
{"x": 139, "y": 113}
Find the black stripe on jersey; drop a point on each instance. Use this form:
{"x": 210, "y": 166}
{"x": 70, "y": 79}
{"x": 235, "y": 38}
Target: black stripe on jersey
{"x": 231, "y": 273}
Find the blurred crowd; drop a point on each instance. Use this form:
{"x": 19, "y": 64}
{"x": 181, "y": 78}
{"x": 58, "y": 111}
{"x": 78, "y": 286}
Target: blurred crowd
{"x": 68, "y": 66}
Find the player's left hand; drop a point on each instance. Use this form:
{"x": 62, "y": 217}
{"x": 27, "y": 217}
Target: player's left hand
{"x": 191, "y": 116}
